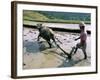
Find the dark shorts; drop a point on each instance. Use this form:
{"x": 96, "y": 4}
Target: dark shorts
{"x": 81, "y": 45}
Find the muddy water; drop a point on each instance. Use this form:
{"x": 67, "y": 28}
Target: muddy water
{"x": 39, "y": 55}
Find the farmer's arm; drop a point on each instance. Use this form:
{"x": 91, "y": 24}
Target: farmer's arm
{"x": 77, "y": 38}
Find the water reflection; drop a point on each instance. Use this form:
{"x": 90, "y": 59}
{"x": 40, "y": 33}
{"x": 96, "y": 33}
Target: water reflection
{"x": 34, "y": 47}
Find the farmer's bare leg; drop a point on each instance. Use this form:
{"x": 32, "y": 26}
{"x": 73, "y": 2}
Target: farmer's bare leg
{"x": 85, "y": 54}
{"x": 84, "y": 51}
{"x": 77, "y": 46}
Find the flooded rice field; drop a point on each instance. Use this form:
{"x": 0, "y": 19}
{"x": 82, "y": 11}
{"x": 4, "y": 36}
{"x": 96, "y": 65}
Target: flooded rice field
{"x": 58, "y": 25}
{"x": 37, "y": 54}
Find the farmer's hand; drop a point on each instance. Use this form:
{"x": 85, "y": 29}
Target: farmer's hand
{"x": 75, "y": 39}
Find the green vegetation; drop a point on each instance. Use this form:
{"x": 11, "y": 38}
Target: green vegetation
{"x": 60, "y": 17}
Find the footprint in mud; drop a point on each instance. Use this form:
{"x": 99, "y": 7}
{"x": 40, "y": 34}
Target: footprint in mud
{"x": 30, "y": 31}
{"x": 25, "y": 35}
{"x": 26, "y": 40}
{"x": 74, "y": 37}
{"x": 24, "y": 64}
{"x": 68, "y": 41}
{"x": 64, "y": 39}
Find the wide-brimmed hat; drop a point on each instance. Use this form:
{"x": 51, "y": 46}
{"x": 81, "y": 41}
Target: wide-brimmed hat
{"x": 82, "y": 24}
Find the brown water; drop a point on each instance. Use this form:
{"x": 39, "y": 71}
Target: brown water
{"x": 36, "y": 53}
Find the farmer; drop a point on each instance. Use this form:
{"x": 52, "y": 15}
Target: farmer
{"x": 82, "y": 38}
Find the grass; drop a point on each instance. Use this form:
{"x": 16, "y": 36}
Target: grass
{"x": 35, "y": 16}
